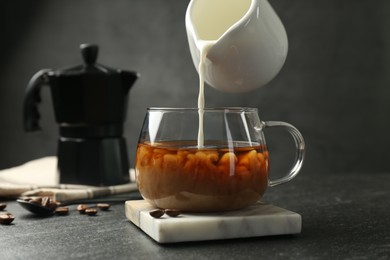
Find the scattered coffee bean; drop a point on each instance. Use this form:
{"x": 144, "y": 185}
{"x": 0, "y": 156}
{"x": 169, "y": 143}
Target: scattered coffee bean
{"x": 37, "y": 201}
{"x": 81, "y": 208}
{"x": 157, "y": 213}
{"x": 6, "y": 219}
{"x": 103, "y": 206}
{"x": 52, "y": 204}
{"x": 45, "y": 201}
{"x": 172, "y": 212}
{"x": 62, "y": 211}
{"x": 90, "y": 212}
{"x": 56, "y": 207}
{"x": 3, "y": 206}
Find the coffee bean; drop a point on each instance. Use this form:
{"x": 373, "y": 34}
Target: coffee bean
{"x": 172, "y": 212}
{"x": 36, "y": 201}
{"x": 6, "y": 219}
{"x": 62, "y": 211}
{"x": 45, "y": 201}
{"x": 91, "y": 212}
{"x": 81, "y": 208}
{"x": 3, "y": 206}
{"x": 157, "y": 213}
{"x": 52, "y": 205}
{"x": 103, "y": 206}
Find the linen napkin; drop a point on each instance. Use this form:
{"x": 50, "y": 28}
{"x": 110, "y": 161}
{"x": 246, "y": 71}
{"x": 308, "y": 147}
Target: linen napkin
{"x": 40, "y": 178}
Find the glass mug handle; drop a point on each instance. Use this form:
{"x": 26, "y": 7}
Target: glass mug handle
{"x": 300, "y": 150}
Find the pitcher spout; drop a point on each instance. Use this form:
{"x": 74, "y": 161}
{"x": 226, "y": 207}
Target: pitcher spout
{"x": 250, "y": 42}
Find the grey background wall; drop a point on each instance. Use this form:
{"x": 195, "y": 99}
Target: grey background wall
{"x": 334, "y": 87}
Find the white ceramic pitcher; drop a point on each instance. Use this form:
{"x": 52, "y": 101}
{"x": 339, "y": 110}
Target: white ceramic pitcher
{"x": 249, "y": 42}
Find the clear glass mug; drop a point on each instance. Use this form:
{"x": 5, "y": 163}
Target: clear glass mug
{"x": 225, "y": 169}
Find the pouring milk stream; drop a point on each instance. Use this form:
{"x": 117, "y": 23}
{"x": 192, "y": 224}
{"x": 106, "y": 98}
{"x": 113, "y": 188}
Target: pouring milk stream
{"x": 236, "y": 46}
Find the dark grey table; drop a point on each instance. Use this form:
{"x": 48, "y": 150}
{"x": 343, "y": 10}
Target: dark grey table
{"x": 345, "y": 216}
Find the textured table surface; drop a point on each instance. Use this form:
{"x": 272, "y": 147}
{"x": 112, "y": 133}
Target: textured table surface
{"x": 344, "y": 216}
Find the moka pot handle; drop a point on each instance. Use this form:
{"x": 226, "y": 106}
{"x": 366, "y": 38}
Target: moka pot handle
{"x": 32, "y": 98}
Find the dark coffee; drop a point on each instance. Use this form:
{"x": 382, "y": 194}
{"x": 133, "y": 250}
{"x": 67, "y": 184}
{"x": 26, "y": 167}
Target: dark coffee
{"x": 217, "y": 177}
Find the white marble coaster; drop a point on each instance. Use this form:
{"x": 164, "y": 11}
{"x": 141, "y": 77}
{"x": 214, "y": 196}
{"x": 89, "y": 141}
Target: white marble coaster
{"x": 259, "y": 219}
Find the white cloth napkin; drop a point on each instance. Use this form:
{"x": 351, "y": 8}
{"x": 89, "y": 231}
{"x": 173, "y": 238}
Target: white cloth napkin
{"x": 40, "y": 178}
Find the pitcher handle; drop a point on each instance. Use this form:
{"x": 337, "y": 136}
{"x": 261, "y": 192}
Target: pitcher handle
{"x": 299, "y": 155}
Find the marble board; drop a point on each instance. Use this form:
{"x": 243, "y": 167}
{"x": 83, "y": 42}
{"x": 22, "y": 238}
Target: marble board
{"x": 260, "y": 219}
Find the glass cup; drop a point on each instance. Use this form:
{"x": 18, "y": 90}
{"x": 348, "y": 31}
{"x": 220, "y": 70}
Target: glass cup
{"x": 207, "y": 160}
